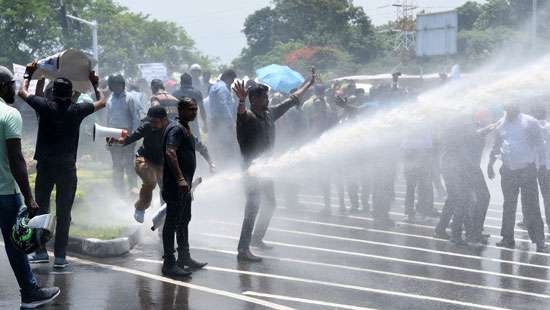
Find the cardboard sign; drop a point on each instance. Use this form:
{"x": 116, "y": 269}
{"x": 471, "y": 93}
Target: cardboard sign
{"x": 153, "y": 71}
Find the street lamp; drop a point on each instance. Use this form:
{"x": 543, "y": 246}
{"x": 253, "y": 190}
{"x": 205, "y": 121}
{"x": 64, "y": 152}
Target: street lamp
{"x": 93, "y": 25}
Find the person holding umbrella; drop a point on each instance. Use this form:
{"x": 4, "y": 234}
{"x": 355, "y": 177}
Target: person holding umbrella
{"x": 256, "y": 137}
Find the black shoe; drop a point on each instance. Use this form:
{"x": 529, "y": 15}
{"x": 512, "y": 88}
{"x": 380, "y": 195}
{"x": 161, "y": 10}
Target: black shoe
{"x": 522, "y": 225}
{"x": 541, "y": 248}
{"x": 247, "y": 256}
{"x": 411, "y": 219}
{"x": 507, "y": 243}
{"x": 171, "y": 269}
{"x": 441, "y": 234}
{"x": 261, "y": 245}
{"x": 190, "y": 263}
{"x": 39, "y": 297}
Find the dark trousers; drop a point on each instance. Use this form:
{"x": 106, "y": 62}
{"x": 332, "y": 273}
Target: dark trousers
{"x": 9, "y": 207}
{"x": 512, "y": 182}
{"x": 63, "y": 176}
{"x": 476, "y": 213}
{"x": 544, "y": 183}
{"x": 418, "y": 176}
{"x": 176, "y": 225}
{"x": 460, "y": 196}
{"x": 383, "y": 189}
{"x": 123, "y": 163}
{"x": 256, "y": 189}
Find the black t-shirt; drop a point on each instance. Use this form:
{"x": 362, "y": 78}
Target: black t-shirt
{"x": 152, "y": 142}
{"x": 176, "y": 135}
{"x": 58, "y": 128}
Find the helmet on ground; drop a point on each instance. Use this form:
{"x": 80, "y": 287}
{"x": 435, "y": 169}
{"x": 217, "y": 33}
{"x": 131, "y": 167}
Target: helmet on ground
{"x": 28, "y": 235}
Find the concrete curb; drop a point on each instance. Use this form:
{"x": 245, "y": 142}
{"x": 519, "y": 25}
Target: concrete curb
{"x": 107, "y": 248}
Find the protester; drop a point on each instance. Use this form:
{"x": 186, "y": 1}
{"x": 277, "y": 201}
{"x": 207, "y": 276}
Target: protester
{"x": 187, "y": 90}
{"x": 544, "y": 164}
{"x": 256, "y": 135}
{"x": 14, "y": 183}
{"x": 148, "y": 162}
{"x": 417, "y": 148}
{"x": 122, "y": 113}
{"x": 221, "y": 135}
{"x": 161, "y": 98}
{"x": 198, "y": 80}
{"x": 519, "y": 142}
{"x": 320, "y": 118}
{"x": 56, "y": 153}
{"x": 178, "y": 172}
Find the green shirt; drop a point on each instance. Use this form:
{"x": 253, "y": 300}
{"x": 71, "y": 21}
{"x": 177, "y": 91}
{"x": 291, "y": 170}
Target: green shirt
{"x": 10, "y": 128}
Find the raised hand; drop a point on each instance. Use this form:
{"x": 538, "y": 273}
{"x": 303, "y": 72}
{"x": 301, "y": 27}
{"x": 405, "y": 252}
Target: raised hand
{"x": 240, "y": 91}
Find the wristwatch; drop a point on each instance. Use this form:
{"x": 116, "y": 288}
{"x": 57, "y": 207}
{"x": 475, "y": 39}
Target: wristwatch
{"x": 27, "y": 76}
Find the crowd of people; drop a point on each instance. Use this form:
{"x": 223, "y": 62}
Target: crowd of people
{"x": 251, "y": 120}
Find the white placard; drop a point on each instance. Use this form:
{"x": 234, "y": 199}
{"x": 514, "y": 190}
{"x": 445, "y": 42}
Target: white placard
{"x": 153, "y": 71}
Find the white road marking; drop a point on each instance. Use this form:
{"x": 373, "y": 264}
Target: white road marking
{"x": 333, "y": 206}
{"x": 303, "y": 233}
{"x": 179, "y": 283}
{"x": 344, "y": 286}
{"x": 400, "y": 260}
{"x": 305, "y": 301}
{"x": 345, "y": 267}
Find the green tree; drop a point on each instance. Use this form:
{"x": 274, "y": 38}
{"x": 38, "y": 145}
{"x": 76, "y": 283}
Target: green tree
{"x": 468, "y": 14}
{"x": 34, "y": 29}
{"x": 337, "y": 24}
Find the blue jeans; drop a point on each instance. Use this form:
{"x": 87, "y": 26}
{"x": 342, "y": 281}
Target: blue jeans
{"x": 9, "y": 206}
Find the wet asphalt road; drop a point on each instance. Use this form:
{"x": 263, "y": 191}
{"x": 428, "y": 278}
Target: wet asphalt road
{"x": 319, "y": 262}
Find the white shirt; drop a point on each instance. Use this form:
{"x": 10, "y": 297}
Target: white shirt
{"x": 545, "y": 130}
{"x": 519, "y": 142}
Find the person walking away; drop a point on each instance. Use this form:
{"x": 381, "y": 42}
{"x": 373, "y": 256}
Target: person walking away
{"x": 56, "y": 154}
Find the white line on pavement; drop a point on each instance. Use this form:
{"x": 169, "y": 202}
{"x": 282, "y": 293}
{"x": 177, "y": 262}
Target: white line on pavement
{"x": 400, "y": 260}
{"x": 345, "y": 267}
{"x": 303, "y": 233}
{"x": 305, "y": 301}
{"x": 344, "y": 286}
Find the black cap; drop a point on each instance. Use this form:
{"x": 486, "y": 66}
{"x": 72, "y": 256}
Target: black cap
{"x": 62, "y": 88}
{"x": 186, "y": 79}
{"x": 157, "y": 112}
{"x": 156, "y": 83}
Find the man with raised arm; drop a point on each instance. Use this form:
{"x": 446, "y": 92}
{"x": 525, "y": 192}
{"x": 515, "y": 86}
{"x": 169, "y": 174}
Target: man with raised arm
{"x": 256, "y": 137}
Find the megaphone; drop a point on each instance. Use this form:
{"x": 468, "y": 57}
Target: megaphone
{"x": 108, "y": 133}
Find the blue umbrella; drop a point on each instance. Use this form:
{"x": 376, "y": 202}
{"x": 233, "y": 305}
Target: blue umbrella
{"x": 280, "y": 78}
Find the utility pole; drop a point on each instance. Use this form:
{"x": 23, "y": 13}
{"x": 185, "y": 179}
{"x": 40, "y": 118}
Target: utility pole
{"x": 405, "y": 27}
{"x": 93, "y": 25}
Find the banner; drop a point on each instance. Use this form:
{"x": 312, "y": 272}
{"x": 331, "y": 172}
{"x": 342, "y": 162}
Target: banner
{"x": 153, "y": 71}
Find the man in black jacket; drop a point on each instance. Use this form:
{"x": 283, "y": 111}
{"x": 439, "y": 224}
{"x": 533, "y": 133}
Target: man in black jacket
{"x": 179, "y": 170}
{"x": 256, "y": 137}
